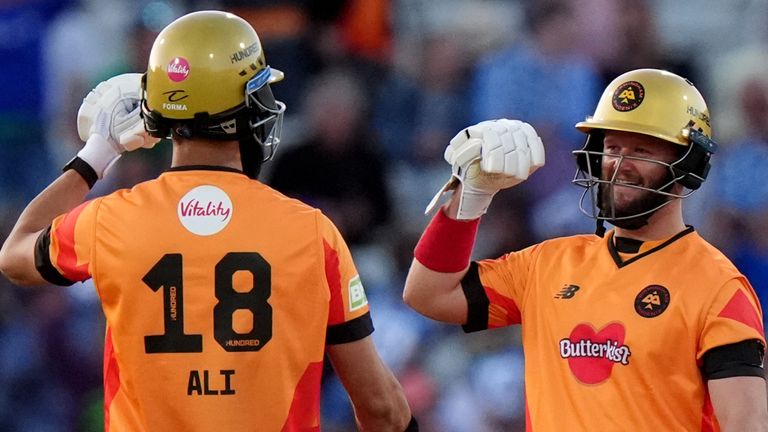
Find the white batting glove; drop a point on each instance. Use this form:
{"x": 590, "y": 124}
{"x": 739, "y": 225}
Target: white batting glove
{"x": 487, "y": 157}
{"x": 109, "y": 121}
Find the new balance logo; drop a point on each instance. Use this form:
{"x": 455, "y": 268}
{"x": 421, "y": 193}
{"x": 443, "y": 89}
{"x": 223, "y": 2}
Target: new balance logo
{"x": 567, "y": 292}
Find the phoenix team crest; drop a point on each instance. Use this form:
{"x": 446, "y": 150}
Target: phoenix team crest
{"x": 652, "y": 301}
{"x": 628, "y": 96}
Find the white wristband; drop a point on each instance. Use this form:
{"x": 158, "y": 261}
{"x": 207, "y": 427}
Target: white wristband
{"x": 99, "y": 154}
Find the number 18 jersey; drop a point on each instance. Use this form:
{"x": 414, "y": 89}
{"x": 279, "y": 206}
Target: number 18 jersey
{"x": 219, "y": 294}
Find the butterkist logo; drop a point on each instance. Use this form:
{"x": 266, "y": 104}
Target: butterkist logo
{"x": 205, "y": 210}
{"x": 592, "y": 354}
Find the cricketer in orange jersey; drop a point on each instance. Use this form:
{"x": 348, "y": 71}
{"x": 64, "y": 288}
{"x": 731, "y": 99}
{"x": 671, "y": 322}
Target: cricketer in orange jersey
{"x": 645, "y": 327}
{"x": 221, "y": 295}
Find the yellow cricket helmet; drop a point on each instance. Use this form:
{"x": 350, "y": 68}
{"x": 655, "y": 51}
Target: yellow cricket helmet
{"x": 651, "y": 102}
{"x": 207, "y": 75}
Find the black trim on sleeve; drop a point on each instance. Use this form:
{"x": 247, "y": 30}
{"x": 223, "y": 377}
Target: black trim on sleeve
{"x": 743, "y": 358}
{"x": 350, "y": 331}
{"x": 413, "y": 425}
{"x": 43, "y": 260}
{"x": 477, "y": 300}
{"x": 83, "y": 168}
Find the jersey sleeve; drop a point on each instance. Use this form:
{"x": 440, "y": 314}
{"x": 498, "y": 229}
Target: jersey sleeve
{"x": 349, "y": 317}
{"x": 734, "y": 316}
{"x": 63, "y": 251}
{"x": 495, "y": 289}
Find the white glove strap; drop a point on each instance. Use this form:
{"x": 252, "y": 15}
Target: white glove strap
{"x": 99, "y": 154}
{"x": 473, "y": 203}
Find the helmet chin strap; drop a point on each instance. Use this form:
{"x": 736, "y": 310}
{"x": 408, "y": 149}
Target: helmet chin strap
{"x": 599, "y": 221}
{"x": 599, "y": 228}
{"x": 251, "y": 155}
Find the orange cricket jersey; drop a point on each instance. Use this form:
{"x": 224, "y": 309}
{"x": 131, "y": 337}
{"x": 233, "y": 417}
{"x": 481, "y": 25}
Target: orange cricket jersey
{"x": 614, "y": 342}
{"x": 220, "y": 295}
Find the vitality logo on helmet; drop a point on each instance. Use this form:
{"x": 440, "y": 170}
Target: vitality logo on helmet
{"x": 178, "y": 69}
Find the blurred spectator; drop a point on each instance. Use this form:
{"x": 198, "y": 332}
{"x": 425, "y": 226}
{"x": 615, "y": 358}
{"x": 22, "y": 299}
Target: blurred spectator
{"x": 364, "y": 29}
{"x": 49, "y": 361}
{"x": 24, "y": 165}
{"x": 632, "y": 41}
{"x": 486, "y": 392}
{"x": 548, "y": 80}
{"x": 545, "y": 81}
{"x": 308, "y": 37}
{"x": 415, "y": 117}
{"x": 80, "y": 46}
{"x": 739, "y": 223}
{"x": 336, "y": 167}
{"x": 354, "y": 34}
{"x": 286, "y": 27}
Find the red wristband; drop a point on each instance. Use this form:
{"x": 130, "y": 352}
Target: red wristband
{"x": 446, "y": 245}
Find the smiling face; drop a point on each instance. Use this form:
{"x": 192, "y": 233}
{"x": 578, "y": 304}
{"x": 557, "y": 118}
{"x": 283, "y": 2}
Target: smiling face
{"x": 632, "y": 181}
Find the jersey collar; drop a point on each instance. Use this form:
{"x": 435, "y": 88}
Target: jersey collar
{"x": 203, "y": 168}
{"x": 624, "y": 244}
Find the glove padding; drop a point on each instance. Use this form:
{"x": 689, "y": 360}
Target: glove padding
{"x": 109, "y": 121}
{"x": 487, "y": 157}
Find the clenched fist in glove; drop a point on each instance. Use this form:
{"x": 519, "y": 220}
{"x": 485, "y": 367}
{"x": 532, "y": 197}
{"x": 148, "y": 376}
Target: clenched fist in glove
{"x": 487, "y": 157}
{"x": 110, "y": 123}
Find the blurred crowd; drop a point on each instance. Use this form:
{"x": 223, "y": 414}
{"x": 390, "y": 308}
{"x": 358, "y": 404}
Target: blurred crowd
{"x": 375, "y": 89}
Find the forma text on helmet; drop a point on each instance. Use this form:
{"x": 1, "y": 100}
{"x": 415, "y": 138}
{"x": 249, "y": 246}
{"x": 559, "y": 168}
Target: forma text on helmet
{"x": 174, "y": 107}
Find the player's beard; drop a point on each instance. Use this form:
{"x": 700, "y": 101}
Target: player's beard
{"x": 644, "y": 202}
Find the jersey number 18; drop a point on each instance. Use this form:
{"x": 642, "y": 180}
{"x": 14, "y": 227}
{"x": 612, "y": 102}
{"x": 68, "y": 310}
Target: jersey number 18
{"x": 167, "y": 274}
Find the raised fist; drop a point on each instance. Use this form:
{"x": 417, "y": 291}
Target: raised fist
{"x": 109, "y": 121}
{"x": 490, "y": 156}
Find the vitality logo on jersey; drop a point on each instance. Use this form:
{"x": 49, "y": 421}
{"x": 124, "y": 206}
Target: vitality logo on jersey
{"x": 205, "y": 210}
{"x": 591, "y": 354}
{"x": 652, "y": 301}
{"x": 567, "y": 292}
